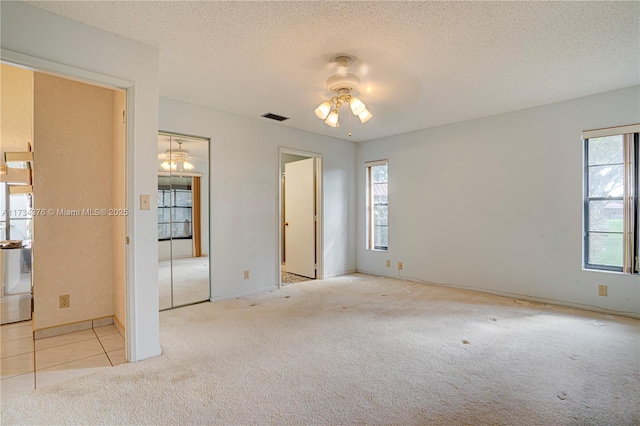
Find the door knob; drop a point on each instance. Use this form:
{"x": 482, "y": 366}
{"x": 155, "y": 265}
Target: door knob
{"x": 286, "y": 224}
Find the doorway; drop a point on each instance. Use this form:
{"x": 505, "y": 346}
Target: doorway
{"x": 71, "y": 208}
{"x": 300, "y": 224}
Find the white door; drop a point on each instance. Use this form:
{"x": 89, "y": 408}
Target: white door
{"x": 299, "y": 207}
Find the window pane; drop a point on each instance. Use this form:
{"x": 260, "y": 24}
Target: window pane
{"x": 606, "y": 216}
{"x": 380, "y": 195}
{"x": 163, "y": 231}
{"x": 20, "y": 206}
{"x": 381, "y": 237}
{"x": 606, "y": 181}
{"x": 181, "y": 230}
{"x": 164, "y": 215}
{"x": 605, "y": 249}
{"x": 380, "y": 215}
{"x": 20, "y": 229}
{"x": 160, "y": 198}
{"x": 183, "y": 198}
{"x": 379, "y": 173}
{"x": 180, "y": 214}
{"x": 608, "y": 150}
{"x": 3, "y": 207}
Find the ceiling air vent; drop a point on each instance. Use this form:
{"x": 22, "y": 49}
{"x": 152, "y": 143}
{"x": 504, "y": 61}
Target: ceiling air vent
{"x": 274, "y": 117}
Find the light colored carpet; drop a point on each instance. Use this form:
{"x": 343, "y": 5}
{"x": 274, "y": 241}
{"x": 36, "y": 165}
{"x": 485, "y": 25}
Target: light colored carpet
{"x": 363, "y": 350}
{"x": 190, "y": 281}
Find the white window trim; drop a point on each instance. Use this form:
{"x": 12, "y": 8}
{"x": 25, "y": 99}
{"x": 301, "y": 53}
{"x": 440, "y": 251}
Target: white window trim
{"x": 369, "y": 222}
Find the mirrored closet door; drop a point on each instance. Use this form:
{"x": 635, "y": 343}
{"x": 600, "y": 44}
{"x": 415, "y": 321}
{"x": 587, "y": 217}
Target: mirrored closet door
{"x": 183, "y": 220}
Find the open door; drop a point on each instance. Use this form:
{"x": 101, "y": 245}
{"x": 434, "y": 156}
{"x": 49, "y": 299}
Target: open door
{"x": 300, "y": 222}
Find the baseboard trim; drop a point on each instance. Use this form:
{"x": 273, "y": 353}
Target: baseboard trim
{"x": 118, "y": 325}
{"x": 149, "y": 354}
{"x": 241, "y": 294}
{"x": 340, "y": 274}
{"x": 513, "y": 296}
{"x": 56, "y": 330}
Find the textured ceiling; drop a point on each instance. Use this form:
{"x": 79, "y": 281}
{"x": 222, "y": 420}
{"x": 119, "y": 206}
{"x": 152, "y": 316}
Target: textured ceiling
{"x": 422, "y": 63}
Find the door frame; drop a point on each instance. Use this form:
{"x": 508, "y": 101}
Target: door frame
{"x": 318, "y": 178}
{"x": 101, "y": 80}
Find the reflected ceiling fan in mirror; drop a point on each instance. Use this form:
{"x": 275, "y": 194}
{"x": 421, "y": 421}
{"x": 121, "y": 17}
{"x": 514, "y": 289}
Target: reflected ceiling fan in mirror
{"x": 345, "y": 85}
{"x": 177, "y": 159}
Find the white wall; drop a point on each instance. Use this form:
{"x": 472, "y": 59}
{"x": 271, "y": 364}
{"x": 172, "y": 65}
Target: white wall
{"x": 244, "y": 194}
{"x": 176, "y": 249}
{"x": 43, "y": 35}
{"x": 496, "y": 203}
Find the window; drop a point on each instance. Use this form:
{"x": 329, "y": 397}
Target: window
{"x": 377, "y": 206}
{"x": 174, "y": 208}
{"x": 15, "y": 222}
{"x": 610, "y": 199}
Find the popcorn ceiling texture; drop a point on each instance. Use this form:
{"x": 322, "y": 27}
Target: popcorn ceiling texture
{"x": 422, "y": 63}
{"x": 363, "y": 350}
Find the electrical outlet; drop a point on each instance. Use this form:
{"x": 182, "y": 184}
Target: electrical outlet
{"x": 246, "y": 274}
{"x": 65, "y": 302}
{"x": 388, "y": 264}
{"x": 602, "y": 290}
{"x": 399, "y": 266}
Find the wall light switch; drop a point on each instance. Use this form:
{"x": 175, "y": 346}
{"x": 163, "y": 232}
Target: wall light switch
{"x": 145, "y": 202}
{"x": 246, "y": 274}
{"x": 388, "y": 264}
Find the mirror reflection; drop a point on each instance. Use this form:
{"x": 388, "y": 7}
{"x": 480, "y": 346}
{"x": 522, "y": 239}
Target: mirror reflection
{"x": 183, "y": 220}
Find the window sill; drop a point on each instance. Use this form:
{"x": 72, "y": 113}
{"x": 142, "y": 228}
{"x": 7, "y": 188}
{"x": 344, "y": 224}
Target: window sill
{"x": 604, "y": 271}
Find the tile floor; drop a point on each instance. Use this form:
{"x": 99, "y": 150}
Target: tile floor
{"x": 55, "y": 358}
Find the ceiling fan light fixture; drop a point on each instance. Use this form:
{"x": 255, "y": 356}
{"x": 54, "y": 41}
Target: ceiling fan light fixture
{"x": 323, "y": 110}
{"x": 177, "y": 160}
{"x": 357, "y": 106}
{"x": 344, "y": 86}
{"x": 332, "y": 119}
{"x": 187, "y": 165}
{"x": 365, "y": 116}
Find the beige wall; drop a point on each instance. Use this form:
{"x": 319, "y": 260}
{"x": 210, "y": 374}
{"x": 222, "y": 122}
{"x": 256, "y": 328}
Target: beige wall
{"x": 118, "y": 202}
{"x": 16, "y": 108}
{"x": 73, "y": 255}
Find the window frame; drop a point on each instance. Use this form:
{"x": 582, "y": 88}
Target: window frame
{"x": 631, "y": 220}
{"x": 370, "y": 205}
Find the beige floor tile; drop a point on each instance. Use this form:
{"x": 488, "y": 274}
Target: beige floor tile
{"x": 112, "y": 342}
{"x": 117, "y": 357}
{"x": 17, "y": 384}
{"x": 16, "y": 365}
{"x": 13, "y": 332}
{"x": 64, "y": 339}
{"x": 70, "y": 370}
{"x": 16, "y": 347}
{"x": 106, "y": 330}
{"x": 63, "y": 354}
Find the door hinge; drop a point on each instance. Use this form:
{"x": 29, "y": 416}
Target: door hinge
{"x": 315, "y": 217}
{"x": 127, "y": 240}
{"x": 315, "y": 266}
{"x": 637, "y": 264}
{"x": 123, "y": 117}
